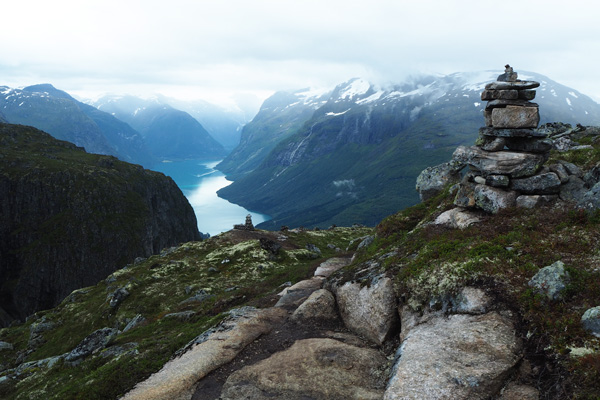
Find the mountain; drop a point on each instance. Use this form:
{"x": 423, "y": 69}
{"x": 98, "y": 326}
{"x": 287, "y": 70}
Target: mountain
{"x": 56, "y": 112}
{"x": 280, "y": 116}
{"x": 355, "y": 158}
{"x": 170, "y": 133}
{"x": 411, "y": 309}
{"x": 223, "y": 123}
{"x": 68, "y": 218}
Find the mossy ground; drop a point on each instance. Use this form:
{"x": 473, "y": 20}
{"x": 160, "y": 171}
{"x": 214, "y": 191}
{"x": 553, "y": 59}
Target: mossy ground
{"x": 232, "y": 269}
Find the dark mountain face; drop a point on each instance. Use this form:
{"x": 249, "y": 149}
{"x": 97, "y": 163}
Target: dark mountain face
{"x": 170, "y": 134}
{"x": 355, "y": 159}
{"x": 59, "y": 114}
{"x": 69, "y": 218}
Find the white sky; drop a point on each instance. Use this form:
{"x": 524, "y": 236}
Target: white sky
{"x": 212, "y": 49}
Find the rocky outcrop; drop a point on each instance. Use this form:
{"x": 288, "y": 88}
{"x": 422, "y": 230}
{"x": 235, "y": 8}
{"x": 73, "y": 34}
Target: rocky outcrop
{"x": 314, "y": 368}
{"x": 369, "y": 309}
{"x": 69, "y": 218}
{"x": 453, "y": 357}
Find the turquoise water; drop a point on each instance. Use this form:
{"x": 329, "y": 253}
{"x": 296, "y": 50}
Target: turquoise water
{"x": 199, "y": 181}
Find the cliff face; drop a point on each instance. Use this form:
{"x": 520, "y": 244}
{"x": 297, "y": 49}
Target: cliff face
{"x": 69, "y": 218}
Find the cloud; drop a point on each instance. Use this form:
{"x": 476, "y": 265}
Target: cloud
{"x": 191, "y": 48}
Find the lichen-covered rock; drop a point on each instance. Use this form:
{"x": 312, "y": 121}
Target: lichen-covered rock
{"x": 458, "y": 218}
{"x": 319, "y": 307}
{"x": 492, "y": 200}
{"x": 591, "y": 199}
{"x": 510, "y": 163}
{"x": 545, "y": 183}
{"x": 5, "y": 346}
{"x": 94, "y": 342}
{"x": 534, "y": 201}
{"x": 454, "y": 357}
{"x": 369, "y": 310}
{"x": 515, "y": 117}
{"x": 117, "y": 297}
{"x": 471, "y": 300}
{"x": 432, "y": 180}
{"x": 591, "y": 321}
{"x": 311, "y": 369}
{"x": 573, "y": 190}
{"x": 551, "y": 280}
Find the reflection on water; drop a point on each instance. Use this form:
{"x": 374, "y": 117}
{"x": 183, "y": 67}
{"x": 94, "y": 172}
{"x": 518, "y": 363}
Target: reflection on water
{"x": 199, "y": 182}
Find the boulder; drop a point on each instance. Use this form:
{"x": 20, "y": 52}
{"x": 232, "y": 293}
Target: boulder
{"x": 560, "y": 171}
{"x": 534, "y": 201}
{"x": 116, "y": 298}
{"x": 458, "y": 218}
{"x": 544, "y": 183}
{"x": 5, "y": 346}
{"x": 551, "y": 280}
{"x": 531, "y": 145}
{"x": 496, "y": 144}
{"x": 311, "y": 369}
{"x": 499, "y": 94}
{"x": 219, "y": 345}
{"x": 92, "y": 343}
{"x": 471, "y": 300}
{"x": 465, "y": 195}
{"x": 432, "y": 180}
{"x": 513, "y": 133}
{"x": 591, "y": 321}
{"x": 573, "y": 190}
{"x": 526, "y": 94}
{"x": 319, "y": 307}
{"x": 512, "y": 164}
{"x": 134, "y": 323}
{"x": 515, "y": 117}
{"x": 500, "y": 181}
{"x": 571, "y": 168}
{"x": 270, "y": 246}
{"x": 454, "y": 357}
{"x": 591, "y": 199}
{"x": 369, "y": 310}
{"x": 519, "y": 85}
{"x": 328, "y": 267}
{"x": 592, "y": 176}
{"x": 492, "y": 200}
{"x": 293, "y": 296}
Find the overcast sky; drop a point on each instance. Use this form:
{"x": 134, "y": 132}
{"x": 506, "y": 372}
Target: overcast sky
{"x": 212, "y": 49}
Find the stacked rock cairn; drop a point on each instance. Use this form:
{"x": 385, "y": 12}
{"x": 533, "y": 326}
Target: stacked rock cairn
{"x": 507, "y": 163}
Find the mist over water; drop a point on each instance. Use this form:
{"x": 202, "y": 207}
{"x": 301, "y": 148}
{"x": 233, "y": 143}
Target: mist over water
{"x": 199, "y": 181}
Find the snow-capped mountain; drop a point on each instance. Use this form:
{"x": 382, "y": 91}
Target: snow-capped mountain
{"x": 354, "y": 155}
{"x": 56, "y": 112}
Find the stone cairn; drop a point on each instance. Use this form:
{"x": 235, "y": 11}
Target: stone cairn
{"x": 507, "y": 163}
{"x": 248, "y": 226}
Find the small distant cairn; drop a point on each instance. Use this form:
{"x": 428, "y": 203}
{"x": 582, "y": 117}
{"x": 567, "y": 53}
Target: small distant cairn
{"x": 506, "y": 166}
{"x": 247, "y": 226}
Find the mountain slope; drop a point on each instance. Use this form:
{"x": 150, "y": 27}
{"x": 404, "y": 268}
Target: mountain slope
{"x": 355, "y": 160}
{"x": 59, "y": 114}
{"x": 280, "y": 116}
{"x": 169, "y": 133}
{"x": 68, "y": 218}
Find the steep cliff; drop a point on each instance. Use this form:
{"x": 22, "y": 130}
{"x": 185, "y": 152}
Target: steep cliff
{"x": 69, "y": 218}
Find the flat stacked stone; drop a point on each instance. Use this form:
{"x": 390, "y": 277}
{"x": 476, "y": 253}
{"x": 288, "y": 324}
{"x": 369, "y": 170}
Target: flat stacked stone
{"x": 507, "y": 162}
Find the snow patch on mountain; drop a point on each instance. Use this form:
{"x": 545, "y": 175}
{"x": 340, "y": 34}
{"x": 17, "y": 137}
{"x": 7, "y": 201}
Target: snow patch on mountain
{"x": 372, "y": 98}
{"x": 357, "y": 87}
